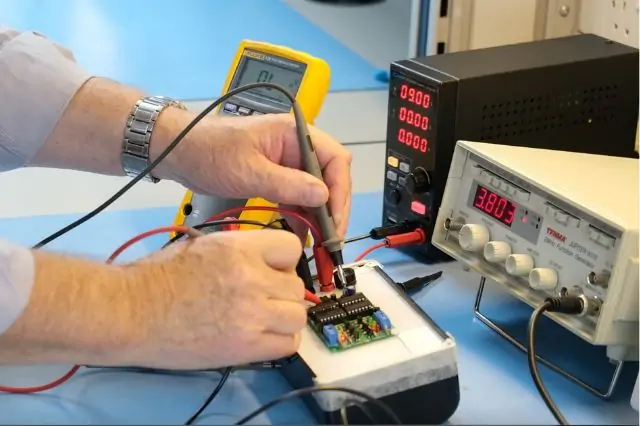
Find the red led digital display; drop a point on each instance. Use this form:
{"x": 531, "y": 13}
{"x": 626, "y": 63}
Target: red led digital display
{"x": 413, "y": 118}
{"x": 496, "y": 206}
{"x": 412, "y": 140}
{"x": 412, "y": 124}
{"x": 415, "y": 96}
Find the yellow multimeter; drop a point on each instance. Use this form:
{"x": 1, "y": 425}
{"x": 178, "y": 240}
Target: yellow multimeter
{"x": 305, "y": 76}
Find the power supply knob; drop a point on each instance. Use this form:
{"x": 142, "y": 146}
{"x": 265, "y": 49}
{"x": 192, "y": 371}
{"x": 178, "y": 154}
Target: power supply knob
{"x": 519, "y": 265}
{"x": 543, "y": 279}
{"x": 496, "y": 251}
{"x": 473, "y": 237}
{"x": 395, "y": 196}
{"x": 418, "y": 181}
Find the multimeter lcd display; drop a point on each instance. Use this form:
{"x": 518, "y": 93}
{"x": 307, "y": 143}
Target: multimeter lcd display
{"x": 256, "y": 71}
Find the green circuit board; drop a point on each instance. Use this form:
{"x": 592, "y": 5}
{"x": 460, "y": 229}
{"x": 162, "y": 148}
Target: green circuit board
{"x": 347, "y": 322}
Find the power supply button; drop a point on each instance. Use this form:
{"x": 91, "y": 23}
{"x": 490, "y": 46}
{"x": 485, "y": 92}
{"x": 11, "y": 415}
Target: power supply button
{"x": 418, "y": 208}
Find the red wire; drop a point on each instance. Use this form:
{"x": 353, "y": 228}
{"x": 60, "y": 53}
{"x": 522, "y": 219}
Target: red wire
{"x": 314, "y": 230}
{"x": 42, "y": 388}
{"x": 369, "y": 250}
{"x": 140, "y": 237}
{"x": 416, "y": 236}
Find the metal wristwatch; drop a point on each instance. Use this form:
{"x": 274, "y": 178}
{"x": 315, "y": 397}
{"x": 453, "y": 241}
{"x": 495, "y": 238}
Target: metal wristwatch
{"x": 138, "y": 131}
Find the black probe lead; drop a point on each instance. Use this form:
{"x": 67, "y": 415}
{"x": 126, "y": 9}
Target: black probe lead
{"x": 566, "y": 305}
{"x": 211, "y": 397}
{"x": 299, "y": 124}
{"x": 418, "y": 283}
{"x": 311, "y": 390}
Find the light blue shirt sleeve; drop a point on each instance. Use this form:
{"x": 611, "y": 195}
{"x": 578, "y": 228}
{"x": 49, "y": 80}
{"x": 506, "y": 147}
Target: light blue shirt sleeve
{"x": 38, "y": 79}
{"x": 17, "y": 275}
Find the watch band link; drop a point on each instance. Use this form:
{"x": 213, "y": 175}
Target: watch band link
{"x": 138, "y": 131}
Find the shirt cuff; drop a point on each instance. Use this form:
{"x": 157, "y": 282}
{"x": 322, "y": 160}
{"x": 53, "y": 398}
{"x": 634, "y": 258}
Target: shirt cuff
{"x": 17, "y": 275}
{"x": 39, "y": 79}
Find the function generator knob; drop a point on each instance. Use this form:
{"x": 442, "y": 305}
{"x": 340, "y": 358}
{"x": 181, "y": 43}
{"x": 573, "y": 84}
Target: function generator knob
{"x": 496, "y": 251}
{"x": 473, "y": 237}
{"x": 543, "y": 279}
{"x": 418, "y": 181}
{"x": 519, "y": 265}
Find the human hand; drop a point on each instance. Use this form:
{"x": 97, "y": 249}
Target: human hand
{"x": 224, "y": 299}
{"x": 259, "y": 156}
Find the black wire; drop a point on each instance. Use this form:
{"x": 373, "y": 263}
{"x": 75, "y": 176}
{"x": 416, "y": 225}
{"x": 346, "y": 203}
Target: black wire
{"x": 256, "y": 366}
{"x": 362, "y": 407}
{"x": 358, "y": 238}
{"x": 273, "y": 223}
{"x": 151, "y": 370}
{"x": 166, "y": 152}
{"x": 308, "y": 391}
{"x": 533, "y": 366}
{"x": 222, "y": 222}
{"x": 216, "y": 391}
{"x": 227, "y": 372}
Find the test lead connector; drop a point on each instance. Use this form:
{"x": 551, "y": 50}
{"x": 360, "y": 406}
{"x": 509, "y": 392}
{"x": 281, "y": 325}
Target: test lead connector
{"x": 382, "y": 232}
{"x": 415, "y": 284}
{"x": 349, "y": 284}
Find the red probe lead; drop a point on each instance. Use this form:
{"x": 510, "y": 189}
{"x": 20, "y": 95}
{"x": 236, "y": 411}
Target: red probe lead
{"x": 417, "y": 236}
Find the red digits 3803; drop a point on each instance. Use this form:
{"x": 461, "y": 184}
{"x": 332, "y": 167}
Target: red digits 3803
{"x": 494, "y": 205}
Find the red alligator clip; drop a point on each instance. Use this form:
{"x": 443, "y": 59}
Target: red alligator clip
{"x": 324, "y": 268}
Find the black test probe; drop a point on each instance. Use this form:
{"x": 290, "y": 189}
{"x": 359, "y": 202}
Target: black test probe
{"x": 332, "y": 242}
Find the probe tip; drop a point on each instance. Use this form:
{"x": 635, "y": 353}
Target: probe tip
{"x": 340, "y": 272}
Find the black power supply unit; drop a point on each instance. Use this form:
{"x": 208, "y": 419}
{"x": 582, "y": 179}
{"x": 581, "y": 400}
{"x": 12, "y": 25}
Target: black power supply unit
{"x": 577, "y": 93}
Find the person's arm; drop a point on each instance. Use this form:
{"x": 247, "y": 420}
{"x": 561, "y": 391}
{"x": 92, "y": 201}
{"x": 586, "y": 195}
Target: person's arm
{"x": 89, "y": 134}
{"x": 51, "y": 306}
{"x": 59, "y": 309}
{"x": 56, "y": 114}
{"x": 37, "y": 80}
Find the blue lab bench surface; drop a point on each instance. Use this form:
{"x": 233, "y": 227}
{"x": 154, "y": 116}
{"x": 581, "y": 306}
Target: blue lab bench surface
{"x": 495, "y": 384}
{"x": 181, "y": 49}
